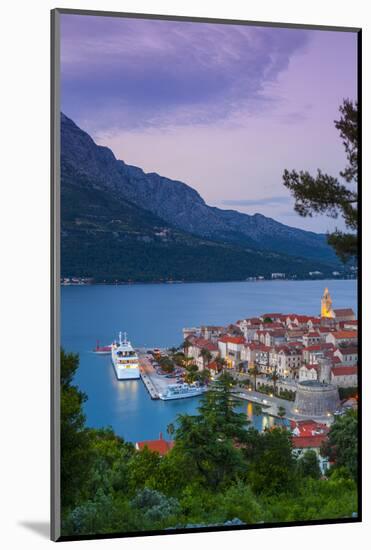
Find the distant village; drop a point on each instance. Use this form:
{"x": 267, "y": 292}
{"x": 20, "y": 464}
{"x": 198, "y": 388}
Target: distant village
{"x": 350, "y": 273}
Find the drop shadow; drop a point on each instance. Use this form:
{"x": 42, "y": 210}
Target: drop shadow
{"x": 42, "y": 528}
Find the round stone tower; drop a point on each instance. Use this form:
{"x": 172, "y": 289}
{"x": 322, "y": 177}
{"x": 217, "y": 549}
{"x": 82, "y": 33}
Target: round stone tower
{"x": 314, "y": 398}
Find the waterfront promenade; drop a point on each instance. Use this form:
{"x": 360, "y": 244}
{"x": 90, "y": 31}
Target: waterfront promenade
{"x": 155, "y": 383}
{"x": 271, "y": 404}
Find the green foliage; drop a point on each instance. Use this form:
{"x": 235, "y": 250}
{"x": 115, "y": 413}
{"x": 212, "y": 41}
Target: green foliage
{"x": 206, "y": 356}
{"x": 346, "y": 393}
{"x": 93, "y": 516}
{"x": 219, "y": 469}
{"x": 110, "y": 455}
{"x": 273, "y": 470}
{"x": 267, "y": 389}
{"x": 254, "y": 371}
{"x": 313, "y": 499}
{"x": 283, "y": 393}
{"x": 76, "y": 456}
{"x": 142, "y": 467}
{"x": 308, "y": 465}
{"x": 236, "y": 501}
{"x": 166, "y": 364}
{"x": 155, "y": 506}
{"x": 341, "y": 446}
{"x": 217, "y": 409}
{"x": 208, "y": 439}
{"x": 324, "y": 194}
{"x": 179, "y": 358}
{"x": 289, "y": 395}
{"x": 204, "y": 376}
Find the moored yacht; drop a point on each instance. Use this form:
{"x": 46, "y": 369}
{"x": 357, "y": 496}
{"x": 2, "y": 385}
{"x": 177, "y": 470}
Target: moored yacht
{"x": 181, "y": 391}
{"x": 125, "y": 359}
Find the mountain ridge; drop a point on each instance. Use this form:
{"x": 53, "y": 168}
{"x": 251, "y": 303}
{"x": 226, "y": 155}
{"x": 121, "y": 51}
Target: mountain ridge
{"x": 164, "y": 214}
{"x": 182, "y": 206}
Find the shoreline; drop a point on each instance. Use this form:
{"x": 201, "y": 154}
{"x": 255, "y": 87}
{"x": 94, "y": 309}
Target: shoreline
{"x": 146, "y": 283}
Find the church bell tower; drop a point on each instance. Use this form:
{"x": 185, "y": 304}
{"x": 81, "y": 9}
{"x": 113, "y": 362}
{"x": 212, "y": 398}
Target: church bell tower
{"x": 326, "y": 305}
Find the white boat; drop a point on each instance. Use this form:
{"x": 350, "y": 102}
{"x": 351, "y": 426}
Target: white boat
{"x": 181, "y": 391}
{"x": 125, "y": 359}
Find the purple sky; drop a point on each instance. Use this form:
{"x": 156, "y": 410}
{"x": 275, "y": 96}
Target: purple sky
{"x": 224, "y": 108}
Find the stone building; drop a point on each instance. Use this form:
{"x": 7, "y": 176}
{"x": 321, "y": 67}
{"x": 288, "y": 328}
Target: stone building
{"x": 315, "y": 399}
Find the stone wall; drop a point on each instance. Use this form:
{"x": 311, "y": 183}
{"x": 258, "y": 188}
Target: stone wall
{"x": 316, "y": 399}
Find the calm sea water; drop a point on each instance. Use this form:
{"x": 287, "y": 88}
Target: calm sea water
{"x": 153, "y": 316}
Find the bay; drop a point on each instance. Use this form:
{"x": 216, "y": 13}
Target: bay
{"x": 153, "y": 315}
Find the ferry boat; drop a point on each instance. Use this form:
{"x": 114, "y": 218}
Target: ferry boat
{"x": 181, "y": 391}
{"x": 125, "y": 359}
{"x": 102, "y": 350}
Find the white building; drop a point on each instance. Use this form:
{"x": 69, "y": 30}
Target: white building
{"x": 308, "y": 372}
{"x": 196, "y": 345}
{"x": 344, "y": 377}
{"x": 347, "y": 355}
{"x": 230, "y": 348}
{"x": 339, "y": 337}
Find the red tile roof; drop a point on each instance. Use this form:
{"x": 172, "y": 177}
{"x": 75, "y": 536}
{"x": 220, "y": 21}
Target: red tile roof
{"x": 295, "y": 344}
{"x": 232, "y": 339}
{"x": 271, "y": 315}
{"x": 346, "y": 334}
{"x": 312, "y": 366}
{"x": 273, "y": 326}
{"x": 342, "y": 312}
{"x": 344, "y": 371}
{"x": 307, "y": 427}
{"x": 316, "y": 347}
{"x": 257, "y": 346}
{"x": 204, "y": 344}
{"x": 308, "y": 442}
{"x": 303, "y": 318}
{"x": 160, "y": 446}
{"x": 253, "y": 321}
{"x": 276, "y": 333}
{"x": 262, "y": 347}
{"x": 353, "y": 323}
{"x": 320, "y": 347}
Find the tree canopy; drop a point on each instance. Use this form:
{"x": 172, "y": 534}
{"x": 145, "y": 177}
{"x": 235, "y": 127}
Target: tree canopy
{"x": 341, "y": 446}
{"x": 219, "y": 468}
{"x": 325, "y": 194}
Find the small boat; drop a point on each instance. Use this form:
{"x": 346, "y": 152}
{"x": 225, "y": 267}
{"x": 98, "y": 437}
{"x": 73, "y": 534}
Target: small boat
{"x": 102, "y": 350}
{"x": 181, "y": 391}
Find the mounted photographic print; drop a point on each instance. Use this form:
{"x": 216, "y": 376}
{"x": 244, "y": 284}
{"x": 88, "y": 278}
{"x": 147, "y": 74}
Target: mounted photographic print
{"x": 205, "y": 303}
